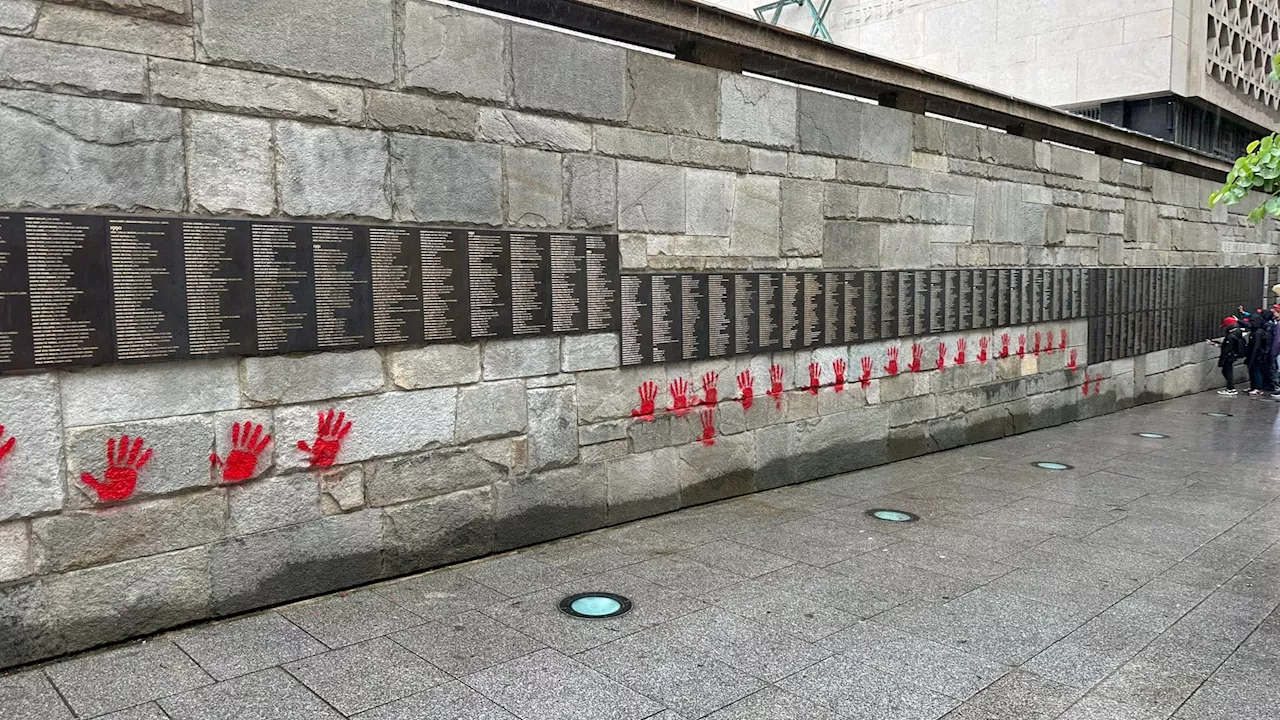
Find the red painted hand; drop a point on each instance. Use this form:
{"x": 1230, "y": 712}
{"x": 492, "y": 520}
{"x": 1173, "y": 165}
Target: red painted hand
{"x": 246, "y": 446}
{"x": 1084, "y": 389}
{"x": 815, "y": 377}
{"x": 648, "y": 395}
{"x": 1049, "y": 343}
{"x": 1004, "y": 345}
{"x": 775, "y": 385}
{"x": 917, "y": 355}
{"x": 840, "y": 367}
{"x": 123, "y": 463}
{"x": 865, "y": 380}
{"x": 1062, "y": 337}
{"x": 681, "y": 403}
{"x": 1036, "y": 350}
{"x": 708, "y": 428}
{"x": 892, "y": 367}
{"x": 1022, "y": 345}
{"x": 941, "y": 362}
{"x": 1097, "y": 384}
{"x": 746, "y": 389}
{"x": 1072, "y": 364}
{"x": 329, "y": 434}
{"x": 983, "y": 344}
{"x": 710, "y": 388}
{"x": 7, "y": 447}
{"x": 961, "y": 346}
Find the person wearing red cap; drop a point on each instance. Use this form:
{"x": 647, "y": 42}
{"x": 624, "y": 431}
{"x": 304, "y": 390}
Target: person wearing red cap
{"x": 1231, "y": 346}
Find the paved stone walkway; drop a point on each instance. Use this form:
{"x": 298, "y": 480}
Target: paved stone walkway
{"x": 1141, "y": 584}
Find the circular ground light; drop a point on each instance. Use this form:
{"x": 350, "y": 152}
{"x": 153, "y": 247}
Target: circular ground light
{"x": 1052, "y": 466}
{"x": 1219, "y": 414}
{"x": 895, "y": 516}
{"x": 1151, "y": 435}
{"x": 595, "y": 605}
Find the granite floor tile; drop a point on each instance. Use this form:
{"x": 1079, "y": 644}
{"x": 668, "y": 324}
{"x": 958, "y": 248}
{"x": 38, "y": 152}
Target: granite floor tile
{"x": 121, "y": 678}
{"x": 684, "y": 575}
{"x": 1153, "y": 537}
{"x": 150, "y": 711}
{"x": 1064, "y": 588}
{"x": 1156, "y": 605}
{"x": 763, "y": 652}
{"x": 638, "y": 541}
{"x": 944, "y": 561}
{"x": 515, "y": 574}
{"x": 450, "y": 701}
{"x": 466, "y": 643}
{"x": 1130, "y": 561}
{"x": 1100, "y": 707}
{"x": 1161, "y": 677}
{"x": 361, "y": 676}
{"x": 439, "y": 594}
{"x": 918, "y": 660}
{"x": 983, "y": 548}
{"x": 737, "y": 558}
{"x": 819, "y": 585}
{"x": 238, "y": 647}
{"x": 1053, "y": 517}
{"x": 772, "y": 704}
{"x": 909, "y": 583}
{"x": 549, "y": 686}
{"x": 860, "y": 692}
{"x": 579, "y": 556}
{"x": 681, "y": 678}
{"x": 1091, "y": 653}
{"x": 771, "y": 607}
{"x": 349, "y": 618}
{"x": 1099, "y": 489}
{"x": 1018, "y": 696}
{"x": 29, "y": 695}
{"x": 265, "y": 695}
{"x": 802, "y": 543}
{"x": 809, "y": 498}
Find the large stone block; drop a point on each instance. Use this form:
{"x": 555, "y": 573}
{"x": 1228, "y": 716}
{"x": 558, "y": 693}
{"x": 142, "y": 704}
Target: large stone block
{"x": 18, "y": 16}
{"x": 671, "y": 96}
{"x": 323, "y": 37}
{"x": 491, "y": 409}
{"x": 553, "y": 427}
{"x": 103, "y": 140}
{"x": 15, "y": 551}
{"x": 293, "y": 379}
{"x": 421, "y": 114}
{"x": 180, "y": 456}
{"x": 25, "y": 62}
{"x": 229, "y": 164}
{"x": 757, "y": 111}
{"x": 903, "y": 246}
{"x": 445, "y": 529}
{"x": 273, "y": 503}
{"x": 128, "y": 599}
{"x": 31, "y": 474}
{"x": 757, "y": 217}
{"x": 709, "y": 153}
{"x": 829, "y": 125}
{"x": 332, "y": 171}
{"x": 534, "y": 508}
{"x": 592, "y": 192}
{"x": 27, "y": 624}
{"x": 81, "y": 26}
{"x": 802, "y": 224}
{"x": 851, "y": 244}
{"x": 565, "y": 74}
{"x": 642, "y": 485}
{"x": 381, "y": 425}
{"x": 148, "y": 391}
{"x": 435, "y": 366}
{"x": 219, "y": 88}
{"x": 708, "y": 202}
{"x": 535, "y": 192}
{"x": 886, "y": 135}
{"x": 589, "y": 352}
{"x": 722, "y": 470}
{"x": 521, "y": 357}
{"x": 429, "y": 474}
{"x": 84, "y": 538}
{"x": 443, "y": 180}
{"x": 454, "y": 52}
{"x": 295, "y": 562}
{"x": 612, "y": 394}
{"x": 651, "y": 197}
{"x": 633, "y": 144}
{"x": 516, "y": 128}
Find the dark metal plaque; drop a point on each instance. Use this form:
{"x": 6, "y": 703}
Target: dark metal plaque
{"x": 937, "y": 309}
{"x": 720, "y": 315}
{"x": 283, "y": 290}
{"x": 602, "y": 263}
{"x": 529, "y": 255}
{"x": 694, "y": 337}
{"x": 907, "y": 314}
{"x": 871, "y": 315}
{"x": 488, "y": 284}
{"x": 978, "y": 304}
{"x": 396, "y": 283}
{"x": 854, "y": 307}
{"x": 1004, "y": 298}
{"x": 445, "y": 293}
{"x": 889, "y": 307}
{"x": 635, "y": 332}
{"x": 746, "y": 323}
{"x": 968, "y": 295}
{"x": 665, "y": 318}
{"x": 148, "y": 289}
{"x": 567, "y": 278}
{"x": 15, "y": 303}
{"x": 340, "y": 272}
{"x": 791, "y": 302}
{"x": 812, "y": 309}
{"x": 951, "y": 301}
{"x": 769, "y": 311}
{"x": 67, "y": 285}
{"x": 991, "y": 306}
{"x": 833, "y": 322}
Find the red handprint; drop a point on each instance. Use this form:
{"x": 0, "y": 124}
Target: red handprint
{"x": 961, "y": 346}
{"x": 865, "y": 380}
{"x": 941, "y": 362}
{"x": 7, "y": 447}
{"x": 708, "y": 428}
{"x": 648, "y": 395}
{"x": 983, "y": 344}
{"x": 681, "y": 401}
{"x": 710, "y": 388}
{"x": 839, "y": 366}
{"x": 1004, "y": 345}
{"x": 1036, "y": 350}
{"x": 1072, "y": 364}
{"x": 123, "y": 464}
{"x": 917, "y": 354}
{"x": 746, "y": 389}
{"x": 329, "y": 434}
{"x": 246, "y": 446}
{"x": 1084, "y": 389}
{"x": 1097, "y": 384}
{"x": 1048, "y": 348}
{"x": 1063, "y": 338}
{"x": 815, "y": 377}
{"x": 775, "y": 385}
{"x": 892, "y": 367}
{"x": 1022, "y": 345}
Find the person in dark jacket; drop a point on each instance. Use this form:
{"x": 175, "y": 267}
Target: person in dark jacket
{"x": 1258, "y": 353}
{"x": 1231, "y": 346}
{"x": 1275, "y": 352}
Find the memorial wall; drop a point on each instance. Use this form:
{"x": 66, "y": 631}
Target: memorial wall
{"x": 418, "y": 288}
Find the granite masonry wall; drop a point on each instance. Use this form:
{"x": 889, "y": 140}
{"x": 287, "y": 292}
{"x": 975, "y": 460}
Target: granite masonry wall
{"x": 412, "y": 111}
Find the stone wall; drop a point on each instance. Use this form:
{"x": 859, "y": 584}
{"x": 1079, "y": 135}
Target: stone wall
{"x": 411, "y": 111}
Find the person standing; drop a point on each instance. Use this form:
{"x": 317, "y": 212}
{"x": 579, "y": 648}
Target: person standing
{"x": 1231, "y": 346}
{"x": 1258, "y": 353}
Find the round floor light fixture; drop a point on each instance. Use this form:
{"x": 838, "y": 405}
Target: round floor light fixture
{"x": 1219, "y": 414}
{"x": 893, "y": 516}
{"x": 595, "y": 605}
{"x": 1048, "y": 465}
{"x": 1151, "y": 435}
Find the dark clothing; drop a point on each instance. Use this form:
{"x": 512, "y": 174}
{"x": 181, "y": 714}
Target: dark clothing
{"x": 1231, "y": 347}
{"x": 1229, "y": 373}
{"x": 1259, "y": 377}
{"x": 1258, "y": 353}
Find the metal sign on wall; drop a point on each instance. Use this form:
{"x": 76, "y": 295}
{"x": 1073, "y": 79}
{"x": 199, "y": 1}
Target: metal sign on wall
{"x": 90, "y": 290}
